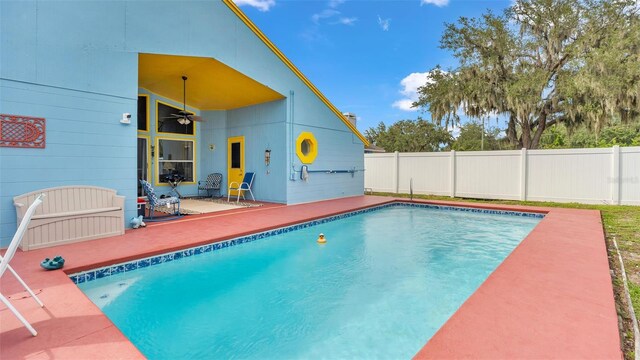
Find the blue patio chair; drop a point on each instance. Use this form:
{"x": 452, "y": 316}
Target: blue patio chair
{"x": 245, "y": 185}
{"x": 213, "y": 183}
{"x": 155, "y": 202}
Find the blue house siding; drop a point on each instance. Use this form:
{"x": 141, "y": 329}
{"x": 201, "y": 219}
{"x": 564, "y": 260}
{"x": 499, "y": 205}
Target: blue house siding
{"x": 86, "y": 145}
{"x": 213, "y": 132}
{"x": 263, "y": 126}
{"x": 338, "y": 149}
{"x": 76, "y": 64}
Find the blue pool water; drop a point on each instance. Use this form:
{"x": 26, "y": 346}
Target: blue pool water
{"x": 380, "y": 288}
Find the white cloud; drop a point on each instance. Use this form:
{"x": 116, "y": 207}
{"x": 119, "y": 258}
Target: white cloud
{"x": 410, "y": 85}
{"x": 330, "y": 13}
{"x": 262, "y": 5}
{"x": 404, "y": 105}
{"x": 384, "y": 23}
{"x": 324, "y": 14}
{"x": 439, "y": 3}
{"x": 347, "y": 20}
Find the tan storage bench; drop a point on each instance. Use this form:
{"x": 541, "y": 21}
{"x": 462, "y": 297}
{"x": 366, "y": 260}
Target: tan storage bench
{"x": 71, "y": 214}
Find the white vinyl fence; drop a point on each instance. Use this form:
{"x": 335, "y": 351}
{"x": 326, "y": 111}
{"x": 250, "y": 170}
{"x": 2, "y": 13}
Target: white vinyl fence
{"x": 590, "y": 176}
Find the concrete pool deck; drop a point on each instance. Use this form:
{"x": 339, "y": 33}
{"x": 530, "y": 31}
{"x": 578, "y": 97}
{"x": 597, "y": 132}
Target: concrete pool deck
{"x": 551, "y": 298}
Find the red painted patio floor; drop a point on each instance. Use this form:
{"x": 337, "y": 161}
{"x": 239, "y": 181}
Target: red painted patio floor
{"x": 551, "y": 298}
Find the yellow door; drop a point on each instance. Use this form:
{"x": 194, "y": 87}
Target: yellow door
{"x": 235, "y": 161}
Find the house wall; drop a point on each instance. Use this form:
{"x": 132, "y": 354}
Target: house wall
{"x": 49, "y": 69}
{"x": 76, "y": 64}
{"x": 338, "y": 149}
{"x": 263, "y": 127}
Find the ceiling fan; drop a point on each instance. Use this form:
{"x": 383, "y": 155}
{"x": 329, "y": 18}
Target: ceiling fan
{"x": 183, "y": 116}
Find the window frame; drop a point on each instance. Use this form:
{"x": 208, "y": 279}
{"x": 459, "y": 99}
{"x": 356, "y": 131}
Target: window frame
{"x": 156, "y": 177}
{"x": 148, "y": 120}
{"x": 179, "y": 108}
{"x": 148, "y": 140}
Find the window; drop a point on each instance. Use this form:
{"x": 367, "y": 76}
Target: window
{"x": 235, "y": 155}
{"x": 306, "y": 147}
{"x": 175, "y": 157}
{"x": 168, "y": 123}
{"x": 143, "y": 113}
{"x": 143, "y": 162}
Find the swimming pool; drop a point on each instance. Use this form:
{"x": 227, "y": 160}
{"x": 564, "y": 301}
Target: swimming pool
{"x": 384, "y": 283}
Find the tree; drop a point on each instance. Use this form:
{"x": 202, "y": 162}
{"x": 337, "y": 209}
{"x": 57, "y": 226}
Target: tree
{"x": 471, "y": 139}
{"x": 542, "y": 62}
{"x": 561, "y": 137}
{"x": 409, "y": 136}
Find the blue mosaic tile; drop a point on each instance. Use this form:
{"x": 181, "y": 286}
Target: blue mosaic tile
{"x": 167, "y": 258}
{"x": 144, "y": 263}
{"x": 117, "y": 269}
{"x": 100, "y": 273}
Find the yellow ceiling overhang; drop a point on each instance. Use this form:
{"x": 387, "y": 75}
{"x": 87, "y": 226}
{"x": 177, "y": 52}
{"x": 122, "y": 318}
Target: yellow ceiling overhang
{"x": 211, "y": 85}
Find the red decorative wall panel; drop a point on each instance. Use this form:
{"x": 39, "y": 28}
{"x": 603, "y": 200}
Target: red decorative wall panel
{"x": 22, "y": 131}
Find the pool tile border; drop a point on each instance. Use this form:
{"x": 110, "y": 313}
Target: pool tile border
{"x": 90, "y": 275}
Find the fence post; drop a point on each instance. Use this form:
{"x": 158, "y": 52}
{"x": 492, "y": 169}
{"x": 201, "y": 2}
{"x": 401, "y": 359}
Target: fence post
{"x": 452, "y": 173}
{"x": 396, "y": 171}
{"x": 523, "y": 174}
{"x": 615, "y": 175}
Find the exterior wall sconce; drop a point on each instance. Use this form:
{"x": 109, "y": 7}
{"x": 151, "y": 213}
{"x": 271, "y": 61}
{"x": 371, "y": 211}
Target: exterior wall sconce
{"x": 267, "y": 157}
{"x": 153, "y": 151}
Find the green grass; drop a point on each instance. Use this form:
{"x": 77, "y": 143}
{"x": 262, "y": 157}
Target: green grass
{"x": 623, "y": 222}
{"x": 634, "y": 290}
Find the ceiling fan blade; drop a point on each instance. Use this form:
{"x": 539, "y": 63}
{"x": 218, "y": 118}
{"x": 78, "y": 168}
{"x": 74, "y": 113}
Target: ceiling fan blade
{"x": 172, "y": 117}
{"x": 194, "y": 117}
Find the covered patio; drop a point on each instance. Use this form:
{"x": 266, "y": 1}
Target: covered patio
{"x": 210, "y": 138}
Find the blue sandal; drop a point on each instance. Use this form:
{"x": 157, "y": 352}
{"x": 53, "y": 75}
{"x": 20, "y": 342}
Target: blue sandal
{"x": 56, "y": 263}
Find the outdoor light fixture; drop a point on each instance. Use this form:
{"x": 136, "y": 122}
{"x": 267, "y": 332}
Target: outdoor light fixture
{"x": 153, "y": 151}
{"x": 267, "y": 157}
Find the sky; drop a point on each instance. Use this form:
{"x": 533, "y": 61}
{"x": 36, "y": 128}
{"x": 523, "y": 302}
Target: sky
{"x": 367, "y": 57}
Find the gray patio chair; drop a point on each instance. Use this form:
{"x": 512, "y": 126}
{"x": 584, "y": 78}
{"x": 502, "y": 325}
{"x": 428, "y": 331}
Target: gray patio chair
{"x": 212, "y": 184}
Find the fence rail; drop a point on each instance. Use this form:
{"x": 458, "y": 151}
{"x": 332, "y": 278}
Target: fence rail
{"x": 590, "y": 176}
